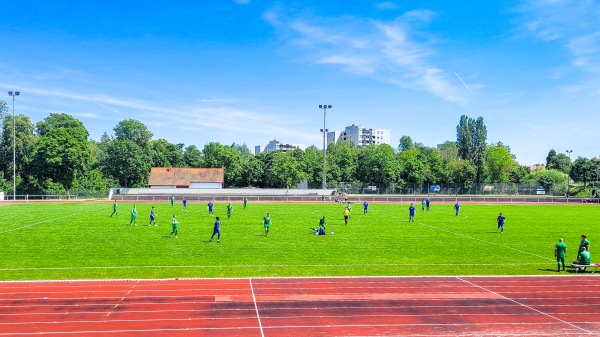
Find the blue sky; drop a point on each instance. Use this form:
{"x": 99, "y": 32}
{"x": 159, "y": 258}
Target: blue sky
{"x": 249, "y": 71}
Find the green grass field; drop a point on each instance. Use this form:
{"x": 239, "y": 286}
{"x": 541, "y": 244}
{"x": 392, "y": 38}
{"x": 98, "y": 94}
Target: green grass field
{"x": 43, "y": 241}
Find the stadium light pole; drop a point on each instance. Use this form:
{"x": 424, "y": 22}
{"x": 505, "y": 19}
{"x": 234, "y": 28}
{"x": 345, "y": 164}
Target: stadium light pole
{"x": 569, "y": 175}
{"x": 324, "y": 130}
{"x": 13, "y": 95}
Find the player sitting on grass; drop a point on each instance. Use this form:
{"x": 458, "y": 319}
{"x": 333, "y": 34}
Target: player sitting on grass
{"x": 321, "y": 230}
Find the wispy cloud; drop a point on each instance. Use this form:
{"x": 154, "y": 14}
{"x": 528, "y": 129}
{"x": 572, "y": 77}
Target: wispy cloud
{"x": 386, "y": 5}
{"x": 393, "y": 52}
{"x": 573, "y": 23}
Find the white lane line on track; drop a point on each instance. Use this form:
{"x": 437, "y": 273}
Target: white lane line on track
{"x": 526, "y": 306}
{"x": 256, "y": 308}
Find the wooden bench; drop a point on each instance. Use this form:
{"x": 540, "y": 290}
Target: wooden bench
{"x": 576, "y": 267}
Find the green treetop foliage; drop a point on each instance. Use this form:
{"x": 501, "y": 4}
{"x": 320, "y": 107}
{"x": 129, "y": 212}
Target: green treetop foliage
{"x": 135, "y": 131}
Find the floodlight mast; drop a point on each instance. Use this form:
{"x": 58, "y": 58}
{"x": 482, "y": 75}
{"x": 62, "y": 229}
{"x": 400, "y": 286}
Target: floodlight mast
{"x": 324, "y": 130}
{"x": 13, "y": 95}
{"x": 569, "y": 175}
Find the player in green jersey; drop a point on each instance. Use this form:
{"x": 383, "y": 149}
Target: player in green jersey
{"x": 115, "y": 209}
{"x": 267, "y": 223}
{"x": 560, "y": 251}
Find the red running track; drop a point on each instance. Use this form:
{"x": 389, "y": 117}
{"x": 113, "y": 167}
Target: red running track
{"x": 265, "y": 307}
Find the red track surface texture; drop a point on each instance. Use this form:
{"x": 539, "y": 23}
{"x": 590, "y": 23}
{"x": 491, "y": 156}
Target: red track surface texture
{"x": 388, "y": 306}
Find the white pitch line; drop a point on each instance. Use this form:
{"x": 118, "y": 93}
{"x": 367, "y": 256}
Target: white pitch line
{"x": 256, "y": 307}
{"x": 486, "y": 241}
{"x": 525, "y": 305}
{"x": 42, "y": 222}
{"x": 288, "y": 265}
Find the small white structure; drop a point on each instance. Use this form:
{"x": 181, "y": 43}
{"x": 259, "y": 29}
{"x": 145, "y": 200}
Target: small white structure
{"x": 178, "y": 177}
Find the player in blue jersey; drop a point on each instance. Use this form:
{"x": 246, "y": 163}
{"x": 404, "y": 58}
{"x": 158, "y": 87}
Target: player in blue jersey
{"x": 216, "y": 230}
{"x": 184, "y": 204}
{"x": 210, "y": 209}
{"x": 365, "y": 207}
{"x": 411, "y": 213}
{"x": 427, "y": 204}
{"x": 457, "y": 208}
{"x": 501, "y": 218}
{"x": 152, "y": 217}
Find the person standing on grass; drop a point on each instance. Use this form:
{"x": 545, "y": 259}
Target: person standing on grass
{"x": 210, "y": 209}
{"x": 457, "y": 208}
{"x": 267, "y": 223}
{"x": 346, "y": 215}
{"x": 152, "y": 217}
{"x": 349, "y": 211}
{"x": 133, "y": 216}
{"x": 411, "y": 213}
{"x": 560, "y": 250}
{"x": 172, "y": 201}
{"x": 245, "y": 202}
{"x": 229, "y": 210}
{"x": 175, "y": 225}
{"x": 184, "y": 204}
{"x": 115, "y": 209}
{"x": 501, "y": 218}
{"x": 427, "y": 204}
{"x": 423, "y": 205}
{"x": 365, "y": 207}
{"x": 216, "y": 230}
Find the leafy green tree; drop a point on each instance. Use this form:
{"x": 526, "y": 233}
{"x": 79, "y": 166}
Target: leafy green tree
{"x": 406, "y": 143}
{"x": 378, "y": 164}
{"x": 61, "y": 152}
{"x": 560, "y": 162}
{"x": 192, "y": 156}
{"x": 285, "y": 170}
{"x": 550, "y": 179}
{"x": 164, "y": 153}
{"x": 341, "y": 162}
{"x": 313, "y": 166}
{"x": 24, "y": 145}
{"x": 127, "y": 163}
{"x": 253, "y": 172}
{"x": 500, "y": 164}
{"x": 217, "y": 155}
{"x": 519, "y": 174}
{"x": 461, "y": 173}
{"x": 412, "y": 169}
{"x": 471, "y": 137}
{"x": 583, "y": 170}
{"x": 135, "y": 131}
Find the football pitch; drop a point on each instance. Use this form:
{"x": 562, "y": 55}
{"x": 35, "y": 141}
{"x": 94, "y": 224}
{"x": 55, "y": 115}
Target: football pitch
{"x": 68, "y": 241}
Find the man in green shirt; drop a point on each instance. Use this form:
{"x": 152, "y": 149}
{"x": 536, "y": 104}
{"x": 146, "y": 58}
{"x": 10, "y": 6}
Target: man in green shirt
{"x": 229, "y": 210}
{"x": 133, "y": 216}
{"x": 559, "y": 253}
{"x": 115, "y": 209}
{"x": 172, "y": 201}
{"x": 267, "y": 223}
{"x": 175, "y": 226}
{"x": 584, "y": 258}
{"x": 245, "y": 202}
{"x": 423, "y": 205}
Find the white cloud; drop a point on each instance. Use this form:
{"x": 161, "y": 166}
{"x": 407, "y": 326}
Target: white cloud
{"x": 387, "y": 5}
{"x": 383, "y": 50}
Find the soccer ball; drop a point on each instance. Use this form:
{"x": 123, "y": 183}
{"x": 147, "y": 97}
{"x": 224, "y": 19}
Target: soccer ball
{"x": 332, "y": 233}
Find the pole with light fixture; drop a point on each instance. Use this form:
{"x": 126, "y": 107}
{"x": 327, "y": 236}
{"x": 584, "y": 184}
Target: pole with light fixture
{"x": 13, "y": 95}
{"x": 324, "y": 130}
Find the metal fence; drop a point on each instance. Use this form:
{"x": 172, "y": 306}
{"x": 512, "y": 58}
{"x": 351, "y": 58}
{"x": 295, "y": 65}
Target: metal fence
{"x": 448, "y": 189}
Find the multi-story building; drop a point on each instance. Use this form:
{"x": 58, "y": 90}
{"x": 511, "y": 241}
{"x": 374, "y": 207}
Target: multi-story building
{"x": 359, "y": 136}
{"x": 276, "y": 145}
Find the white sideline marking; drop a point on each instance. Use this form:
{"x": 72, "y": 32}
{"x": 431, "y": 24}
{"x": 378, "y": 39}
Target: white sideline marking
{"x": 41, "y": 222}
{"x": 478, "y": 239}
{"x": 283, "y": 265}
{"x": 256, "y": 308}
{"x": 525, "y": 305}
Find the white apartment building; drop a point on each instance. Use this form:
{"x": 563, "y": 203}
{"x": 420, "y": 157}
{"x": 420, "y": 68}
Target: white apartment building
{"x": 359, "y": 136}
{"x": 276, "y": 145}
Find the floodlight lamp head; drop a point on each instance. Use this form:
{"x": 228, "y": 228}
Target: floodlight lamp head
{"x": 17, "y": 93}
{"x": 10, "y": 93}
{"x": 320, "y": 106}
{"x": 329, "y": 106}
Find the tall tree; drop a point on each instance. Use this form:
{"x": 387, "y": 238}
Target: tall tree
{"x": 378, "y": 164}
{"x": 25, "y": 142}
{"x": 285, "y": 171}
{"x": 192, "y": 156}
{"x": 227, "y": 157}
{"x": 500, "y": 164}
{"x": 406, "y": 143}
{"x": 62, "y": 151}
{"x": 558, "y": 161}
{"x": 471, "y": 137}
{"x": 135, "y": 131}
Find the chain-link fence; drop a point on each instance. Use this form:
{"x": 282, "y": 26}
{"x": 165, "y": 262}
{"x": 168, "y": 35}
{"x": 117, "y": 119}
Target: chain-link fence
{"x": 448, "y": 189}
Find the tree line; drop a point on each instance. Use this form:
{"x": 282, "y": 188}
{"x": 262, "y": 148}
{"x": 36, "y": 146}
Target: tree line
{"x": 55, "y": 156}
